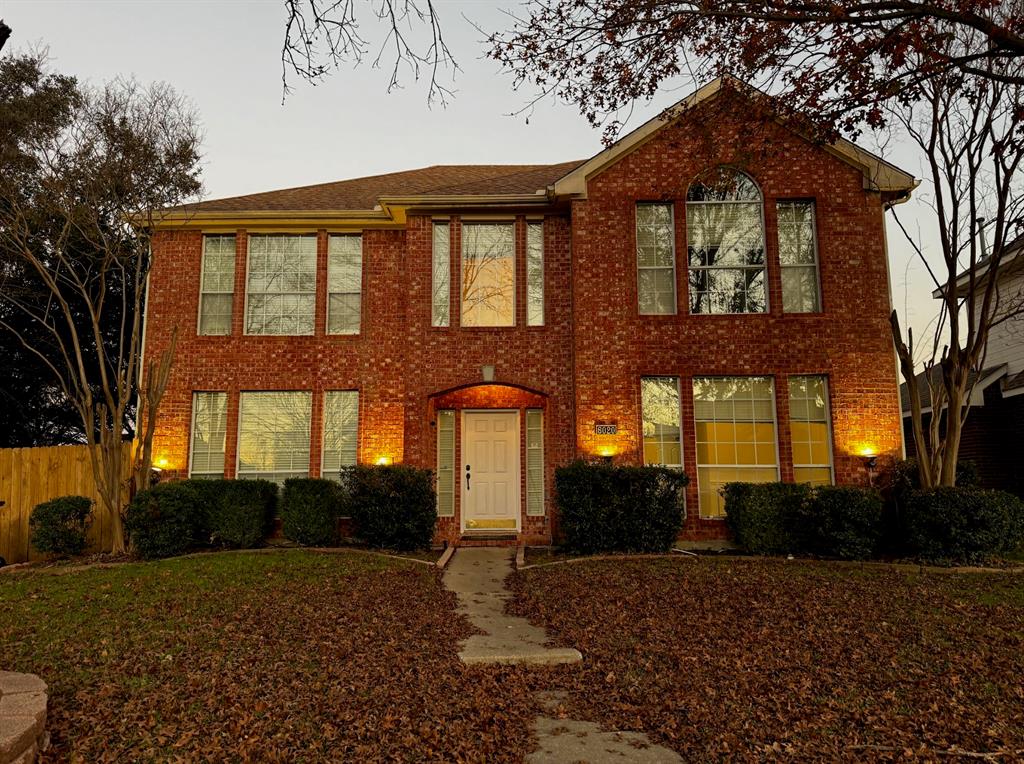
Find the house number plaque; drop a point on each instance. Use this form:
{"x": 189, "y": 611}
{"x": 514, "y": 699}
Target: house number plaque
{"x": 606, "y": 428}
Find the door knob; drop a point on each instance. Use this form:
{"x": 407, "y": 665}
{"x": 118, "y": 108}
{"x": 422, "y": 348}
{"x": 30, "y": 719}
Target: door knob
{"x": 467, "y": 477}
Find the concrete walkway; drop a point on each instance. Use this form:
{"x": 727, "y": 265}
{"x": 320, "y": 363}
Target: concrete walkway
{"x": 477, "y": 576}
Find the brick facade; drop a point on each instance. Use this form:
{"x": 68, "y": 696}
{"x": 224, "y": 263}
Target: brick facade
{"x": 584, "y": 365}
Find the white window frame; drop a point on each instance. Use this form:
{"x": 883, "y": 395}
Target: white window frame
{"x": 775, "y": 428}
{"x": 359, "y": 284}
{"x": 203, "y": 291}
{"x": 510, "y": 224}
{"x": 814, "y": 245}
{"x": 323, "y": 432}
{"x": 764, "y": 244}
{"x": 192, "y": 435}
{"x": 447, "y": 415}
{"x": 828, "y": 426}
{"x": 679, "y": 412}
{"x": 248, "y": 262}
{"x": 238, "y": 449}
{"x": 675, "y": 271}
{"x": 538, "y": 227}
{"x": 442, "y": 322}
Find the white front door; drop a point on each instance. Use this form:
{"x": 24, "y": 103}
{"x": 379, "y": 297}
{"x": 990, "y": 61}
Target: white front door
{"x": 490, "y": 470}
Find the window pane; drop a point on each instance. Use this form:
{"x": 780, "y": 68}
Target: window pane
{"x": 209, "y": 433}
{"x": 799, "y": 257}
{"x": 488, "y": 275}
{"x": 442, "y": 263}
{"x": 217, "y": 285}
{"x": 281, "y": 285}
{"x": 809, "y": 429}
{"x": 735, "y": 426}
{"x": 215, "y": 314}
{"x": 446, "y": 463}
{"x": 659, "y": 404}
{"x": 341, "y": 432}
{"x": 273, "y": 435}
{"x": 535, "y": 274}
{"x": 534, "y": 462}
{"x": 655, "y": 257}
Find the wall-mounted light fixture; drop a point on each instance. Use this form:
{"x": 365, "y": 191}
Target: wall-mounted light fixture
{"x": 382, "y": 460}
{"x": 870, "y": 457}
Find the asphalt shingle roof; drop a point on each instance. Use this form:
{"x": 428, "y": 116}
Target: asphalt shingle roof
{"x": 363, "y": 193}
{"x": 925, "y": 390}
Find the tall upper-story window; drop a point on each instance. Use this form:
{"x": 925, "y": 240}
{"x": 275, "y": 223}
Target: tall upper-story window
{"x": 488, "y": 274}
{"x": 441, "y": 276}
{"x": 798, "y": 255}
{"x": 217, "y": 285}
{"x": 535, "y": 274}
{"x": 281, "y": 286}
{"x": 344, "y": 284}
{"x": 655, "y": 259}
{"x": 725, "y": 237}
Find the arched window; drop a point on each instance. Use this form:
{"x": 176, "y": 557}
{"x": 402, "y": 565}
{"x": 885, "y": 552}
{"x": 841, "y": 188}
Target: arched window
{"x": 725, "y": 244}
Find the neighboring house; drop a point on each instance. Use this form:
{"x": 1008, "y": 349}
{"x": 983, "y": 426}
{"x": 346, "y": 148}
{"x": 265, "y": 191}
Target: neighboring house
{"x": 994, "y": 431}
{"x": 494, "y": 322}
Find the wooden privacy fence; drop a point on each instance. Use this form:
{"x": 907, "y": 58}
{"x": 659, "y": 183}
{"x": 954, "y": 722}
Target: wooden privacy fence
{"x": 30, "y": 476}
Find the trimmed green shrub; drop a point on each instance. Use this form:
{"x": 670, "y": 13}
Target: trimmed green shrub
{"x": 961, "y": 525}
{"x": 310, "y": 508}
{"x": 391, "y": 506}
{"x": 59, "y": 526}
{"x": 768, "y": 518}
{"x": 843, "y": 522}
{"x": 165, "y": 520}
{"x": 604, "y": 507}
{"x": 244, "y": 515}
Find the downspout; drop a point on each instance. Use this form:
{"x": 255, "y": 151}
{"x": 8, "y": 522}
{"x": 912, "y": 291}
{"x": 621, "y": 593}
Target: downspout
{"x": 895, "y": 356}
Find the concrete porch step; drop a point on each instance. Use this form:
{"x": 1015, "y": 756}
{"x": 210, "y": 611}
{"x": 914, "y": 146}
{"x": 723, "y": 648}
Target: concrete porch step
{"x": 488, "y": 538}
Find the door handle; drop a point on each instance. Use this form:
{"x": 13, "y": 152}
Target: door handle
{"x": 467, "y": 477}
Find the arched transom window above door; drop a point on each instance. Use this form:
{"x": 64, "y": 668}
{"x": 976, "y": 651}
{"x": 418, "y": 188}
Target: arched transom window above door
{"x": 725, "y": 244}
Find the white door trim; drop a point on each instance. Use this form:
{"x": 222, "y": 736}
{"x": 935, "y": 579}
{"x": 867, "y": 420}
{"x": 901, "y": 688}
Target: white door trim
{"x": 465, "y": 414}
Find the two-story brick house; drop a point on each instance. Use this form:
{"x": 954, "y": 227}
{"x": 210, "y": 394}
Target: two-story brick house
{"x": 721, "y": 311}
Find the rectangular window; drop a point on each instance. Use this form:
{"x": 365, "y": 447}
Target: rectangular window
{"x": 655, "y": 259}
{"x": 209, "y": 434}
{"x": 273, "y": 435}
{"x": 659, "y": 405}
{"x": 809, "y": 430}
{"x": 446, "y": 463}
{"x": 344, "y": 284}
{"x": 726, "y": 256}
{"x": 488, "y": 274}
{"x": 534, "y": 462}
{"x": 798, "y": 254}
{"x": 442, "y": 276}
{"x": 217, "y": 285}
{"x": 281, "y": 286}
{"x": 341, "y": 432}
{"x": 535, "y": 274}
{"x": 735, "y": 423}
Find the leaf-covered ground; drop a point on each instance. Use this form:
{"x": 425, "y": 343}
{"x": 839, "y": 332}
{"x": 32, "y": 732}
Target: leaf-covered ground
{"x": 755, "y": 659}
{"x": 288, "y": 656}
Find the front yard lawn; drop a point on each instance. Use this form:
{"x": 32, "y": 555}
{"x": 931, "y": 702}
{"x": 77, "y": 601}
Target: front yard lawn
{"x": 283, "y": 656}
{"x": 755, "y": 659}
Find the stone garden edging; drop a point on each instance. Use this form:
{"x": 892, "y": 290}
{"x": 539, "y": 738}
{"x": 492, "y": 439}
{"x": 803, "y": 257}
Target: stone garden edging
{"x": 22, "y": 717}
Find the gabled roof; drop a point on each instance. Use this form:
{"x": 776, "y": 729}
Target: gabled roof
{"x": 981, "y": 382}
{"x": 366, "y": 193}
{"x": 1011, "y": 262}
{"x": 879, "y": 175}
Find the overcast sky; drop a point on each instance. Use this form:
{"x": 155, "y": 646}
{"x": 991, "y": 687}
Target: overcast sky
{"x": 225, "y": 56}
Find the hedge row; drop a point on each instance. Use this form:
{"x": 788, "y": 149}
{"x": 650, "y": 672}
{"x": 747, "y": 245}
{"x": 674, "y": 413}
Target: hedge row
{"x": 174, "y": 518}
{"x": 941, "y": 525}
{"x": 604, "y": 507}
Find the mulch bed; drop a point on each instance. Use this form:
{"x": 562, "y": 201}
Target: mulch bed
{"x": 293, "y": 656}
{"x": 755, "y": 659}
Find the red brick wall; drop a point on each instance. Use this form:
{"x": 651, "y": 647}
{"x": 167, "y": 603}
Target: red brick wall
{"x": 849, "y": 341}
{"x": 405, "y": 369}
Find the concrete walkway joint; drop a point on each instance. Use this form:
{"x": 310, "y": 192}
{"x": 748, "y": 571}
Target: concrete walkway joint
{"x": 477, "y": 576}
